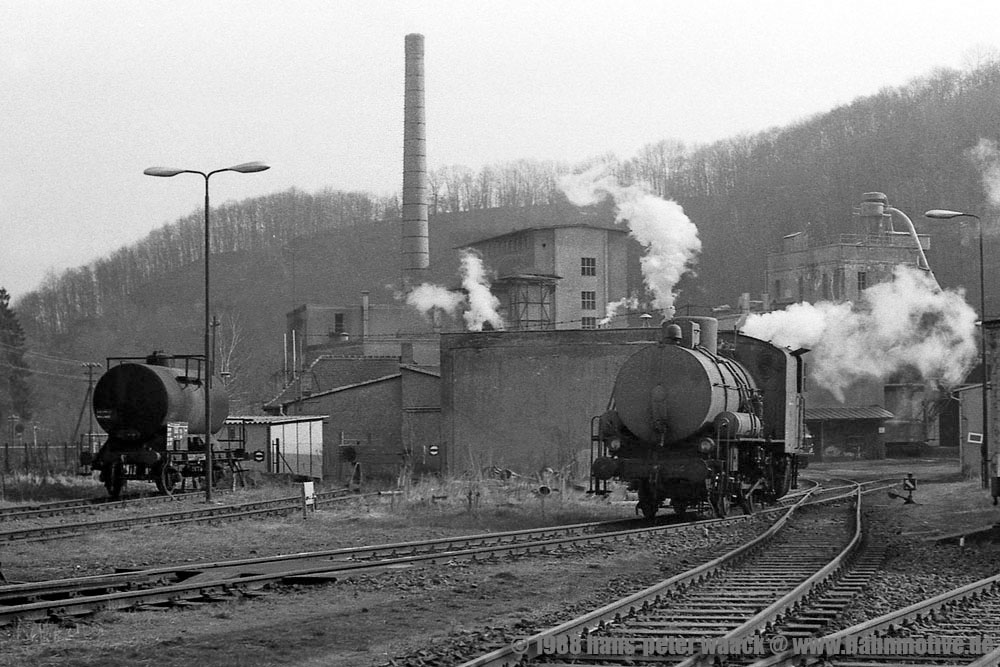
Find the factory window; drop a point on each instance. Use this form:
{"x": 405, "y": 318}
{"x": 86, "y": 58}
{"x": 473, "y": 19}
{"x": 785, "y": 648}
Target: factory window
{"x": 338, "y": 323}
{"x": 839, "y": 283}
{"x": 777, "y": 289}
{"x": 862, "y": 281}
{"x": 802, "y": 290}
{"x": 588, "y": 300}
{"x": 588, "y": 266}
{"x": 589, "y": 322}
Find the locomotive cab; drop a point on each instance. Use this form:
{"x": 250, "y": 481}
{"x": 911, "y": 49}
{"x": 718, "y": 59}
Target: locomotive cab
{"x": 698, "y": 425}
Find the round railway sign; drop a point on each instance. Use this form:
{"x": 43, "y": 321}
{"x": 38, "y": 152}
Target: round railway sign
{"x": 433, "y": 450}
{"x": 258, "y": 455}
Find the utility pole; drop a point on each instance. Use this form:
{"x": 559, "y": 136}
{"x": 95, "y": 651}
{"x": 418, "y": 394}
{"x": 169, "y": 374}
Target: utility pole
{"x": 90, "y": 366}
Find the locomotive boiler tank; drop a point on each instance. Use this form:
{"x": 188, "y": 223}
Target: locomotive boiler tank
{"x": 134, "y": 401}
{"x": 667, "y": 393}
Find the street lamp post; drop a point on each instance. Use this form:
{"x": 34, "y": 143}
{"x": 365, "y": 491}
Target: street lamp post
{"x": 984, "y": 446}
{"x": 166, "y": 172}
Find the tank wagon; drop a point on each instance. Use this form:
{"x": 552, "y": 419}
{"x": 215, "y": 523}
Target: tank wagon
{"x": 153, "y": 410}
{"x": 695, "y": 420}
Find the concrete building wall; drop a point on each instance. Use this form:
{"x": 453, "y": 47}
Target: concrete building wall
{"x": 368, "y": 417}
{"x": 971, "y": 421}
{"x": 421, "y": 421}
{"x": 525, "y": 400}
{"x": 837, "y": 271}
{"x": 607, "y": 249}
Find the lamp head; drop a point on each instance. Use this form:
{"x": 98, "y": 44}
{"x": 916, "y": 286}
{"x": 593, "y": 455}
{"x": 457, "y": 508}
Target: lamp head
{"x": 250, "y": 167}
{"x": 163, "y": 171}
{"x": 945, "y": 214}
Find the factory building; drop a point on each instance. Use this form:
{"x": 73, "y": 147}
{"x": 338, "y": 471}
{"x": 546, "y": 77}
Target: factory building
{"x": 841, "y": 268}
{"x": 559, "y": 277}
{"x": 380, "y": 412}
{"x": 892, "y": 417}
{"x": 361, "y": 329}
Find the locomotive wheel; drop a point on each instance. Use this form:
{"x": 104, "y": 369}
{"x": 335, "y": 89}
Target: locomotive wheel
{"x": 114, "y": 479}
{"x": 748, "y": 504}
{"x": 680, "y": 509}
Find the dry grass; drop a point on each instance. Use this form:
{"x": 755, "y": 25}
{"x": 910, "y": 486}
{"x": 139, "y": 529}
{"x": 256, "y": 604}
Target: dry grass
{"x": 20, "y": 487}
{"x": 499, "y": 504}
{"x": 420, "y": 511}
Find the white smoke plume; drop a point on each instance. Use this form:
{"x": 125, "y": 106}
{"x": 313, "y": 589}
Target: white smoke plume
{"x": 427, "y": 297}
{"x": 482, "y": 304}
{"x": 668, "y": 236}
{"x": 478, "y": 303}
{"x": 987, "y": 157}
{"x": 907, "y": 323}
{"x": 624, "y": 304}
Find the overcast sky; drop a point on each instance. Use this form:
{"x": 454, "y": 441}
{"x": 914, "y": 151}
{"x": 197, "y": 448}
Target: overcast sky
{"x": 93, "y": 92}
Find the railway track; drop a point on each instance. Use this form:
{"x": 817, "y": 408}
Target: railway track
{"x": 88, "y": 505}
{"x": 959, "y": 627}
{"x": 85, "y": 505}
{"x": 217, "y": 513}
{"x": 793, "y": 578}
{"x": 214, "y": 581}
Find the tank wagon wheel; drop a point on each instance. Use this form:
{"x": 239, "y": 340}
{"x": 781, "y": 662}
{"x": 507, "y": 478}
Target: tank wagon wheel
{"x": 167, "y": 478}
{"x": 114, "y": 479}
{"x": 647, "y": 501}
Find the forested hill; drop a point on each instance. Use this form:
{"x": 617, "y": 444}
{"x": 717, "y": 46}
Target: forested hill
{"x": 912, "y": 143}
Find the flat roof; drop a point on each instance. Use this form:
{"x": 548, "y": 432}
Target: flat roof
{"x": 848, "y": 412}
{"x": 273, "y": 419}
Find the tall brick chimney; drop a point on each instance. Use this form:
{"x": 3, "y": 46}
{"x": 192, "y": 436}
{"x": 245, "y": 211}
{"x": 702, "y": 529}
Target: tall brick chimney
{"x": 415, "y": 248}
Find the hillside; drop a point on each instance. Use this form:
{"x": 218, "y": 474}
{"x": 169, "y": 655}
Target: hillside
{"x": 914, "y": 143}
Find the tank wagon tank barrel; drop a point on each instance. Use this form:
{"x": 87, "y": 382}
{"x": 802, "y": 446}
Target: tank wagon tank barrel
{"x": 153, "y": 410}
{"x": 695, "y": 421}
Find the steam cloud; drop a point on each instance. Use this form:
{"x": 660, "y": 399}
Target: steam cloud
{"x": 668, "y": 236}
{"x": 987, "y": 157}
{"x": 904, "y": 324}
{"x": 625, "y": 303}
{"x": 478, "y": 303}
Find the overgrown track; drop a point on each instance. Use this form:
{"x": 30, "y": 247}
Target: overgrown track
{"x": 808, "y": 553}
{"x": 222, "y": 512}
{"x": 86, "y": 505}
{"x": 223, "y": 580}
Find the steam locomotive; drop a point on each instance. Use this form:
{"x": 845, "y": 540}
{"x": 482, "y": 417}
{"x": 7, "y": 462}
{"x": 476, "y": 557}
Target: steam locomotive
{"x": 153, "y": 410}
{"x": 701, "y": 421}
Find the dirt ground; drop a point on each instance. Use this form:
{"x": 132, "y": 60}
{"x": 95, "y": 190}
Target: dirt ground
{"x": 374, "y": 620}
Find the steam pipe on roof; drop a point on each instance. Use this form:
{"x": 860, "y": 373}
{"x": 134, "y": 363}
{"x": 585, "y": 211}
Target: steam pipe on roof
{"x": 922, "y": 263}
